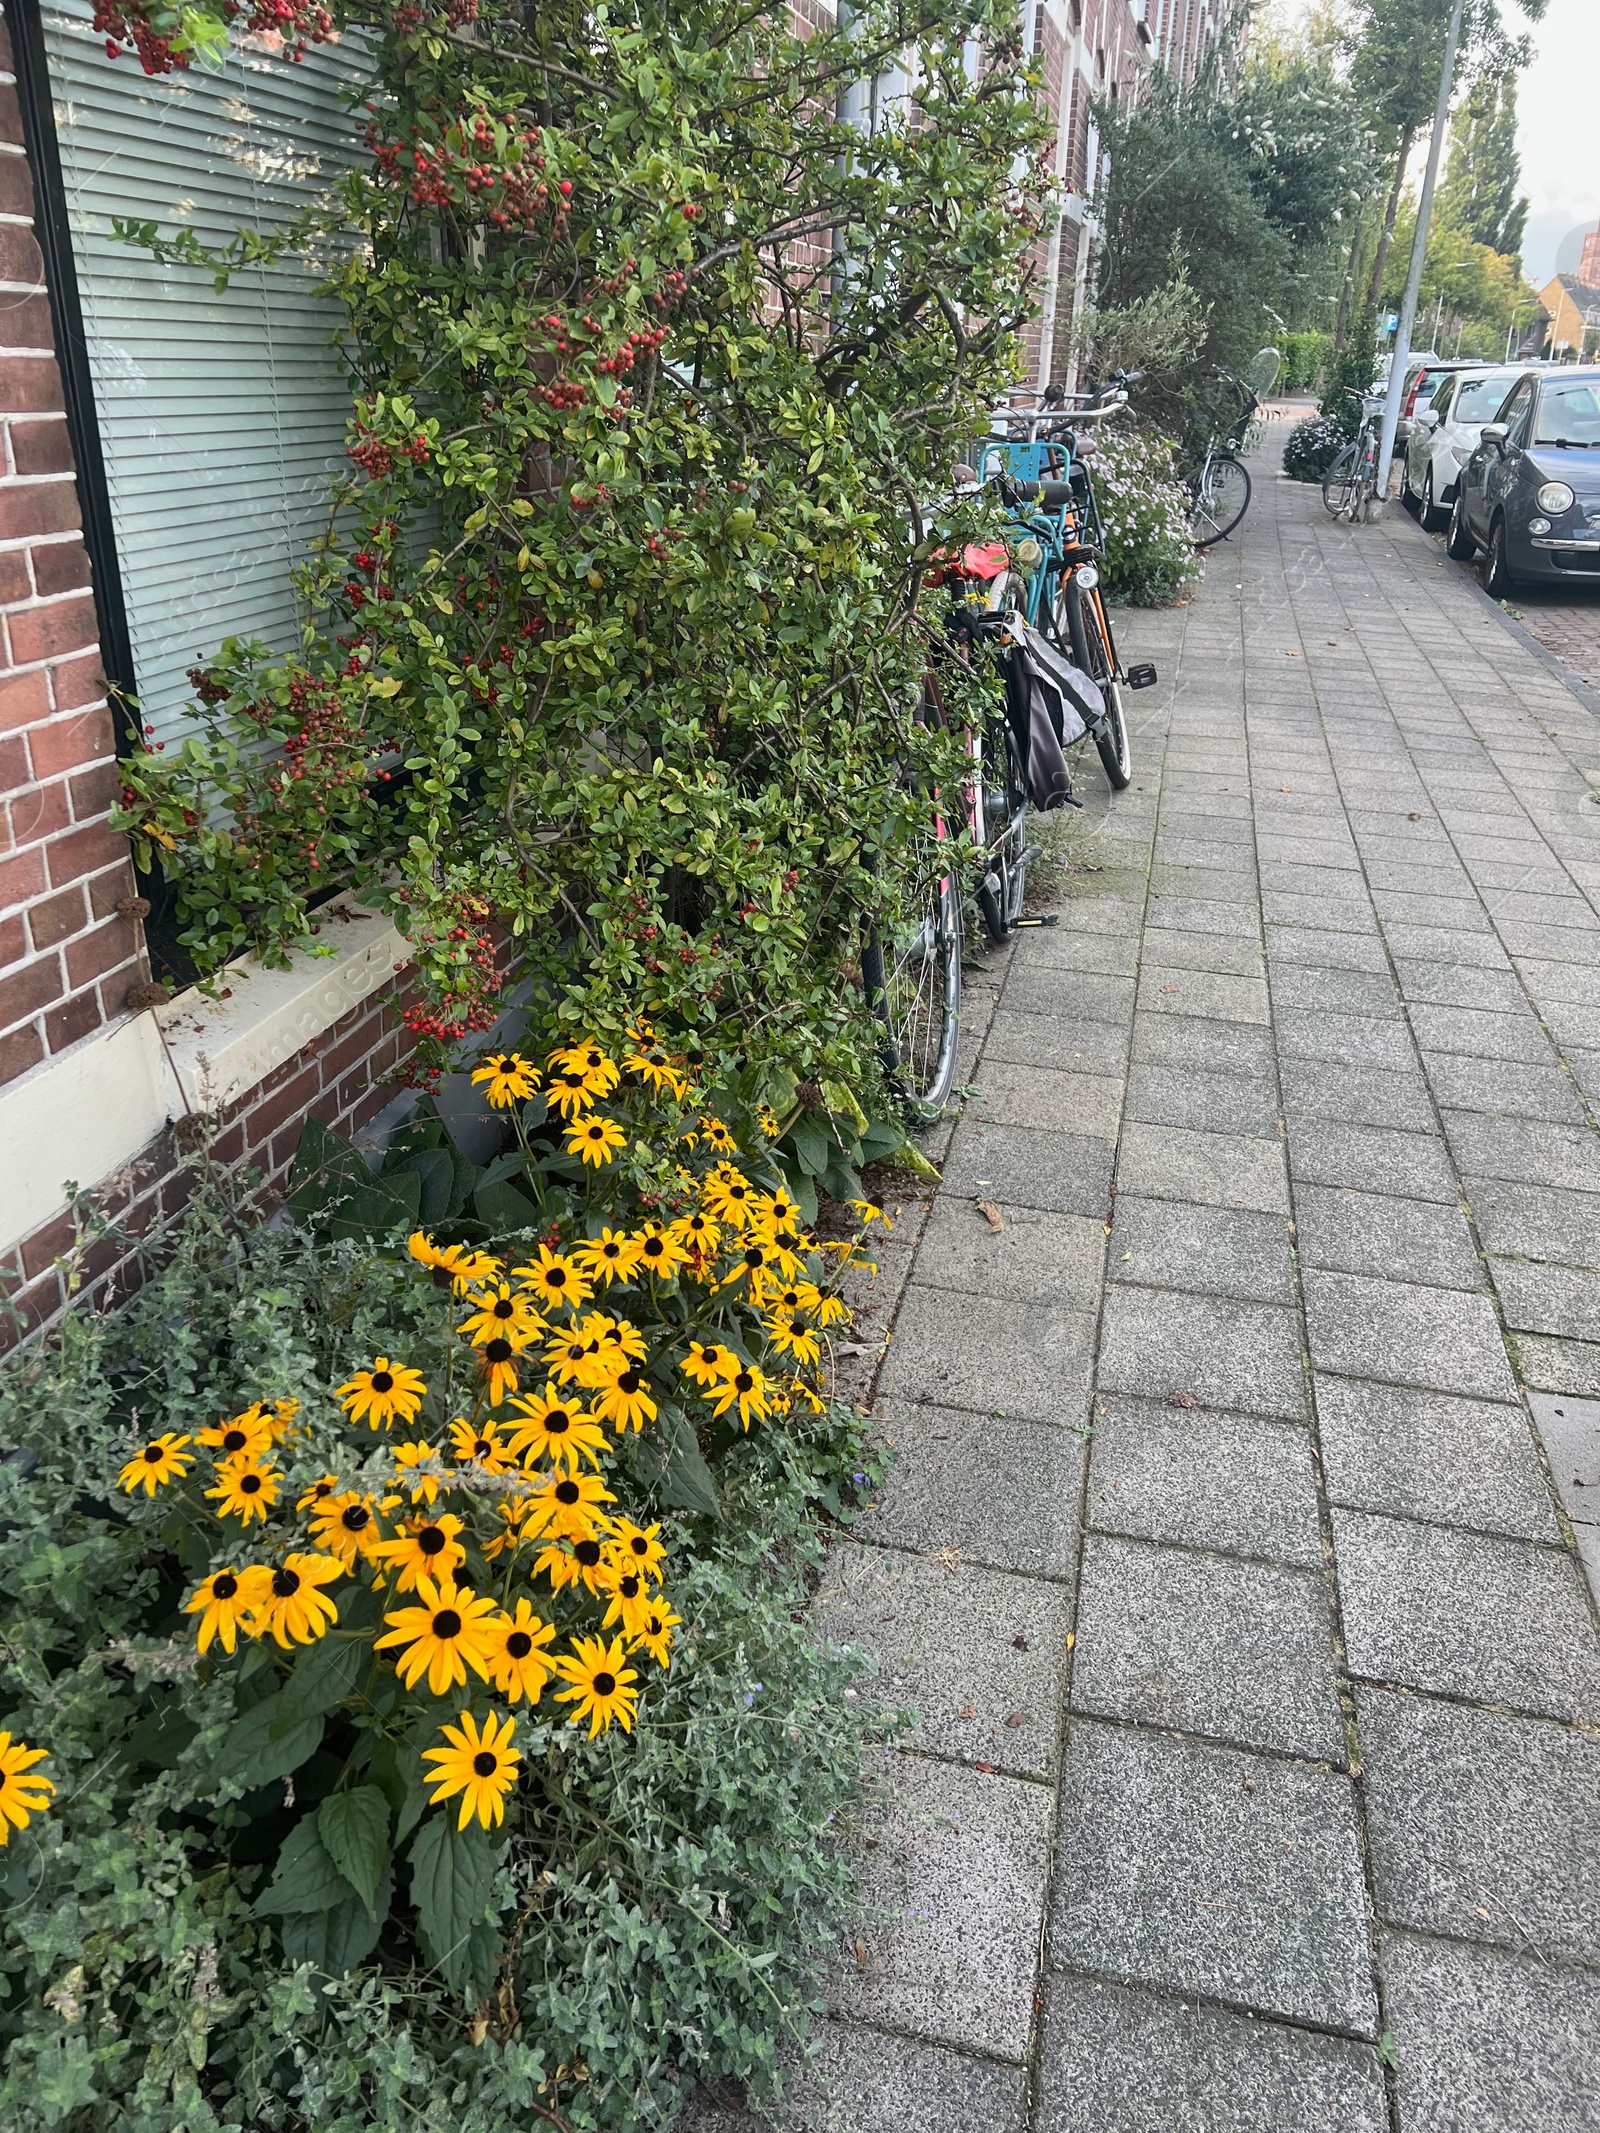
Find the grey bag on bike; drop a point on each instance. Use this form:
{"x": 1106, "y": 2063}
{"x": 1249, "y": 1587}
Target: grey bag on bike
{"x": 1053, "y": 704}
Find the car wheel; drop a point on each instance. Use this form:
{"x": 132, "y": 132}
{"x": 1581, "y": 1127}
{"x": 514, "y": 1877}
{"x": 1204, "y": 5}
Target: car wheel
{"x": 1495, "y": 575}
{"x": 1408, "y": 495}
{"x": 1432, "y": 517}
{"x": 1460, "y": 545}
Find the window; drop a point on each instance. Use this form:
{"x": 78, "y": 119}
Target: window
{"x": 1569, "y": 414}
{"x": 1479, "y": 397}
{"x": 1517, "y": 405}
{"x": 219, "y": 415}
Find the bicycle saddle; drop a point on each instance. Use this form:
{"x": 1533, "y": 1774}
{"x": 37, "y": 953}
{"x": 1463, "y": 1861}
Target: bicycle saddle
{"x": 1039, "y": 495}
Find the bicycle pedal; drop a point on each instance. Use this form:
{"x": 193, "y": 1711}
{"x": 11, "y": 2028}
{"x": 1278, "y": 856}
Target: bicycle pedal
{"x": 1034, "y": 851}
{"x": 1143, "y": 676}
{"x": 1052, "y": 920}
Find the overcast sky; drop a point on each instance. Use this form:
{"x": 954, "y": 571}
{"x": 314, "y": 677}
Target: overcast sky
{"x": 1559, "y": 111}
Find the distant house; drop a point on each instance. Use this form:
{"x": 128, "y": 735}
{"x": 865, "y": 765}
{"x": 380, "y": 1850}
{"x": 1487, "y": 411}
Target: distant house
{"x": 1573, "y": 306}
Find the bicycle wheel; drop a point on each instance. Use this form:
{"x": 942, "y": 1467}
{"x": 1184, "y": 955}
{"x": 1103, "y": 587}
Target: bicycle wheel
{"x": 1341, "y": 483}
{"x": 1221, "y": 501}
{"x": 1090, "y": 639}
{"x": 913, "y": 985}
{"x": 1001, "y": 790}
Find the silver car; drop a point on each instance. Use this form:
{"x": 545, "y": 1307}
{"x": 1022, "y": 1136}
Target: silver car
{"x": 1445, "y": 433}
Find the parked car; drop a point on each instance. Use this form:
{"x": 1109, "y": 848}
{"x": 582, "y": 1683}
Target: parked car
{"x": 1444, "y": 435}
{"x": 1529, "y": 497}
{"x": 1425, "y": 373}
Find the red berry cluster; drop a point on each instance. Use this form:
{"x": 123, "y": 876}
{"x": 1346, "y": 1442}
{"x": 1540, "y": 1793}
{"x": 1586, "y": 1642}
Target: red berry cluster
{"x": 127, "y": 27}
{"x": 566, "y": 393}
{"x": 467, "y": 164}
{"x": 376, "y": 458}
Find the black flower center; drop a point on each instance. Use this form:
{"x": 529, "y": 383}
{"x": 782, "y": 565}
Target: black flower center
{"x": 481, "y": 1448}
{"x": 605, "y": 1684}
{"x": 224, "y": 1585}
{"x": 611, "y": 1251}
{"x": 743, "y": 1382}
{"x": 485, "y": 1764}
{"x": 557, "y": 1422}
{"x": 504, "y": 1308}
{"x": 639, "y": 1544}
{"x": 652, "y": 1247}
{"x": 250, "y": 1484}
{"x": 628, "y": 1587}
{"x": 629, "y": 1382}
{"x": 754, "y": 1256}
{"x": 595, "y": 1133}
{"x": 432, "y": 1540}
{"x": 383, "y": 1381}
{"x": 154, "y": 1454}
{"x": 588, "y": 1553}
{"x": 356, "y": 1518}
{"x": 519, "y": 1644}
{"x": 447, "y": 1623}
{"x": 285, "y": 1584}
{"x": 557, "y": 1277}
{"x": 591, "y": 1060}
{"x": 499, "y": 1351}
{"x": 234, "y": 1440}
{"x": 568, "y": 1492}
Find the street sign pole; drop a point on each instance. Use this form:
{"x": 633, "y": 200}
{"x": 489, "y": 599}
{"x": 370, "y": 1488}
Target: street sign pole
{"x": 1419, "y": 250}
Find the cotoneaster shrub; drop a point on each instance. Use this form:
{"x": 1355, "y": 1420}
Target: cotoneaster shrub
{"x": 617, "y": 639}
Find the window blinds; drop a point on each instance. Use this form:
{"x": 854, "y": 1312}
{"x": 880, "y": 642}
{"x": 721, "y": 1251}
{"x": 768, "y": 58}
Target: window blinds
{"x": 220, "y": 415}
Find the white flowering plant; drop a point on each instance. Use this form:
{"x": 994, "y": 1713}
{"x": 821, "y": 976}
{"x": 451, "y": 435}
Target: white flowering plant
{"x": 1144, "y": 519}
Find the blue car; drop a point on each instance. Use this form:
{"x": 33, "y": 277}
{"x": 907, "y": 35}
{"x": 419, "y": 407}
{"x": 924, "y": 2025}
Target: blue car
{"x": 1528, "y": 499}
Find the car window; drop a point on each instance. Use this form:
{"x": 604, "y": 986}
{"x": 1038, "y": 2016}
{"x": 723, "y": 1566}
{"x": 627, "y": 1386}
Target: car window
{"x": 1478, "y": 398}
{"x": 1569, "y": 414}
{"x": 1517, "y": 405}
{"x": 1439, "y": 400}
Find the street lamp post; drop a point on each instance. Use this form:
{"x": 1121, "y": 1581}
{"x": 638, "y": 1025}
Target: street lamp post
{"x": 1512, "y": 328}
{"x": 1419, "y": 250}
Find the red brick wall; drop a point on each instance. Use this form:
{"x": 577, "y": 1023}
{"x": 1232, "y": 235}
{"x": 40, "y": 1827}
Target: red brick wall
{"x": 343, "y": 1079}
{"x": 67, "y": 958}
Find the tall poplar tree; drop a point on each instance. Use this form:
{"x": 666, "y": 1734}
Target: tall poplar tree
{"x": 1482, "y": 196}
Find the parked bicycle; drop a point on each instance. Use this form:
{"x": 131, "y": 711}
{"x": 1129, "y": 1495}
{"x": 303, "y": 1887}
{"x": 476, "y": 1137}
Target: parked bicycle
{"x": 1043, "y": 578}
{"x": 1353, "y": 480}
{"x": 1219, "y": 488}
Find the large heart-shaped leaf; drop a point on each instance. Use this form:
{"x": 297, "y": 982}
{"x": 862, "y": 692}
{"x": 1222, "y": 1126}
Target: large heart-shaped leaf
{"x": 323, "y": 1677}
{"x": 452, "y": 1881}
{"x": 337, "y": 1939}
{"x": 252, "y": 1747}
{"x": 354, "y": 1828}
{"x": 307, "y": 1876}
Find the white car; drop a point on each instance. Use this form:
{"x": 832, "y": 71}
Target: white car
{"x": 1444, "y": 435}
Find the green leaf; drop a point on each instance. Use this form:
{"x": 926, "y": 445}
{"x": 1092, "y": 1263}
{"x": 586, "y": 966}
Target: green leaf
{"x": 882, "y": 1138}
{"x": 397, "y": 1769}
{"x": 813, "y": 1144}
{"x": 325, "y": 1172}
{"x": 322, "y": 1678}
{"x": 307, "y": 1877}
{"x": 354, "y": 1827}
{"x": 686, "y": 1482}
{"x": 504, "y": 1208}
{"x": 251, "y": 1748}
{"x": 841, "y": 1181}
{"x": 452, "y": 1882}
{"x": 435, "y": 1171}
{"x": 381, "y": 1206}
{"x": 337, "y": 1939}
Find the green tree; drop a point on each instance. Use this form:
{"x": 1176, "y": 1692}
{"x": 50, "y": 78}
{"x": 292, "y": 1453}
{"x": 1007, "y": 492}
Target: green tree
{"x": 1481, "y": 195}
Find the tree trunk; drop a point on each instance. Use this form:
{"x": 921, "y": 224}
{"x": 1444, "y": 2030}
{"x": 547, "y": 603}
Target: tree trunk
{"x": 1386, "y": 234}
{"x": 1348, "y": 286}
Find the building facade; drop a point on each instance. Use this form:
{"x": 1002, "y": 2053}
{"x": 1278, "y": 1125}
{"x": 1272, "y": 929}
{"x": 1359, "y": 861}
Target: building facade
{"x": 1572, "y": 306}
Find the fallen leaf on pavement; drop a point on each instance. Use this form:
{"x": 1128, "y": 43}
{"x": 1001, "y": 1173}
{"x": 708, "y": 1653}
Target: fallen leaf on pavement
{"x": 968, "y": 1710}
{"x": 1184, "y": 1399}
{"x": 1019, "y": 1644}
{"x": 1017, "y": 1718}
{"x": 990, "y": 1213}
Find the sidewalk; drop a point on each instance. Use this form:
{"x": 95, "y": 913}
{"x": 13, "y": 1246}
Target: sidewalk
{"x": 1256, "y": 1786}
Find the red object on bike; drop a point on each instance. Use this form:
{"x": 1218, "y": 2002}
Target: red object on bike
{"x": 985, "y": 560}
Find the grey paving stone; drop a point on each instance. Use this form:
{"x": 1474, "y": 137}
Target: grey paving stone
{"x": 1068, "y": 994}
{"x": 1101, "y": 905}
{"x": 1240, "y": 1356}
{"x": 1219, "y": 1251}
{"x": 1212, "y": 1169}
{"x": 1205, "y": 1480}
{"x": 994, "y": 1357}
{"x": 1326, "y": 949}
{"x": 1281, "y": 909}
{"x": 1047, "y": 1099}
{"x": 1361, "y": 1040}
{"x": 1460, "y": 985}
{"x": 1536, "y": 1221}
{"x": 1033, "y": 1258}
{"x": 1417, "y": 908}
{"x": 1491, "y": 2043}
{"x": 1507, "y": 1087}
{"x": 1405, "y": 1334}
{"x": 1555, "y": 1365}
{"x": 1461, "y": 947}
{"x": 1212, "y": 1103}
{"x": 1432, "y": 1456}
{"x": 1481, "y": 1035}
{"x": 1366, "y": 1096}
{"x": 1530, "y": 1152}
{"x": 1205, "y": 993}
{"x": 1078, "y": 946}
{"x": 1396, "y": 1240}
{"x": 1234, "y": 1048}
{"x": 1170, "y": 947}
{"x": 1497, "y": 1621}
{"x": 1483, "y": 1827}
{"x": 870, "y": 2081}
{"x": 1548, "y": 1299}
{"x": 999, "y": 1491}
{"x": 1203, "y": 914}
{"x": 1570, "y": 1432}
{"x": 1060, "y": 1173}
{"x": 1118, "y": 2060}
{"x": 1303, "y": 989}
{"x": 1576, "y": 979}
{"x": 976, "y": 1653}
{"x": 1234, "y": 1651}
{"x": 1331, "y": 1151}
{"x": 1200, "y": 1869}
{"x": 952, "y": 1897}
{"x": 1073, "y": 1046}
